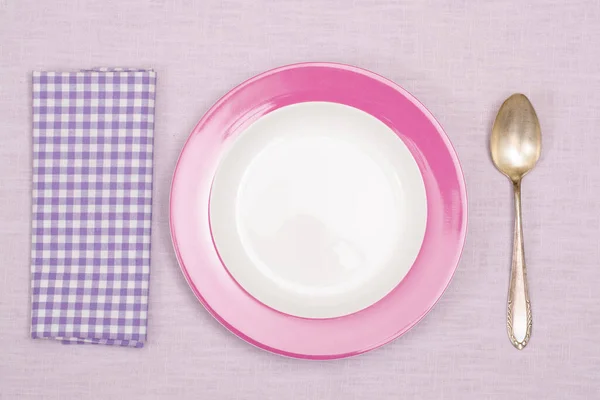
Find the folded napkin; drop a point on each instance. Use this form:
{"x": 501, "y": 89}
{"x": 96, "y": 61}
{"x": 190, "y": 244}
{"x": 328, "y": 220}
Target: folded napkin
{"x": 92, "y": 205}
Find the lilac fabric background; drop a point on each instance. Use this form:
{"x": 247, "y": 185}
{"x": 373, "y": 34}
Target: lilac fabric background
{"x": 461, "y": 59}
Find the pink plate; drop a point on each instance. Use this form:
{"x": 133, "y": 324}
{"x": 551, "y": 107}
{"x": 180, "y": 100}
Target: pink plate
{"x": 325, "y": 338}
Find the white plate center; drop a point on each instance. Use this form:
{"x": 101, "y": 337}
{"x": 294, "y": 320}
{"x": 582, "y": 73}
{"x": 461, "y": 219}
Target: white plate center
{"x": 318, "y": 210}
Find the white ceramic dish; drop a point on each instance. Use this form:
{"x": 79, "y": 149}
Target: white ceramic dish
{"x": 318, "y": 210}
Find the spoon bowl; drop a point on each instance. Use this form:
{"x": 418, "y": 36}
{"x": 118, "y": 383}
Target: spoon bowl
{"x": 516, "y": 140}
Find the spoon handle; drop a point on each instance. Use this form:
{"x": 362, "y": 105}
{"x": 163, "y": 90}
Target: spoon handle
{"x": 518, "y": 319}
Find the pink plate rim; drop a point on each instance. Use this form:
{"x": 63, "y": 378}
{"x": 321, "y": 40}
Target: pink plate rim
{"x": 294, "y": 336}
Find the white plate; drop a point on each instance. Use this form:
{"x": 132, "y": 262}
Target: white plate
{"x": 318, "y": 210}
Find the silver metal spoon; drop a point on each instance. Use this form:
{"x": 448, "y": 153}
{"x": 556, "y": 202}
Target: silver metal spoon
{"x": 515, "y": 145}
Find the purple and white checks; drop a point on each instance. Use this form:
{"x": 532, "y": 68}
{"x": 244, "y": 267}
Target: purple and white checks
{"x": 92, "y": 205}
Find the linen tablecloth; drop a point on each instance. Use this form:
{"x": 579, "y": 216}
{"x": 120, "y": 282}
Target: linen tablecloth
{"x": 461, "y": 59}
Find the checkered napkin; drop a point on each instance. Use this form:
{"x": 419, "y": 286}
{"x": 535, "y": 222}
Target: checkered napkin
{"x": 92, "y": 203}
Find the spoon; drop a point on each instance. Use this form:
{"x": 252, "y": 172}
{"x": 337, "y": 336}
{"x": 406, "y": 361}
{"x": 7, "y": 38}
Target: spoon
{"x": 515, "y": 145}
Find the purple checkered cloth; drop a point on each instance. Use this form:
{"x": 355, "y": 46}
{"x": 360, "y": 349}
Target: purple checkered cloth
{"x": 92, "y": 205}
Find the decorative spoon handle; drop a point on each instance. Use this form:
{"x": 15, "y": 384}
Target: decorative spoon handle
{"x": 518, "y": 318}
